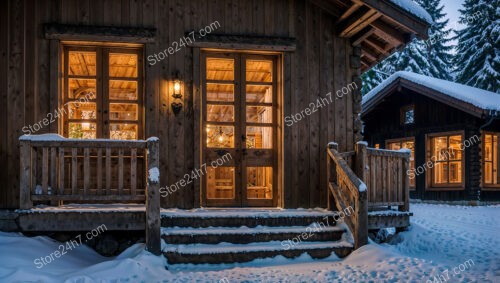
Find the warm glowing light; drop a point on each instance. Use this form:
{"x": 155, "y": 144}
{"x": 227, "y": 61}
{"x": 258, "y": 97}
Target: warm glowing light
{"x": 221, "y": 139}
{"x": 177, "y": 87}
{"x": 208, "y": 130}
{"x": 86, "y": 125}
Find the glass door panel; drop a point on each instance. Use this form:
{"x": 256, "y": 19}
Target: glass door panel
{"x": 220, "y": 183}
{"x": 239, "y": 119}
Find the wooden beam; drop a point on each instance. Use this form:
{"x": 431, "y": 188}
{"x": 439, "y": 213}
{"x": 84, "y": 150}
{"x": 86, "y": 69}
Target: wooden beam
{"x": 99, "y": 33}
{"x": 377, "y": 45}
{"x": 360, "y": 19}
{"x": 404, "y": 18}
{"x": 384, "y": 30}
{"x": 245, "y": 42}
{"x": 372, "y": 56}
{"x": 362, "y": 35}
{"x": 356, "y": 5}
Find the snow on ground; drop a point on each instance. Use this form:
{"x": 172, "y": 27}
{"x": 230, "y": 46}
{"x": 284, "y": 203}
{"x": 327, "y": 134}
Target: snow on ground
{"x": 441, "y": 238}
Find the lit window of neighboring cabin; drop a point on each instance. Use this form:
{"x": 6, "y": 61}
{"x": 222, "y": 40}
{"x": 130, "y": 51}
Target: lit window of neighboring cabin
{"x": 408, "y": 143}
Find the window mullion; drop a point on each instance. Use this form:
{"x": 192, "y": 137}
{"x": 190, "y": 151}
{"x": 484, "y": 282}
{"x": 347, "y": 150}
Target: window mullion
{"x": 105, "y": 92}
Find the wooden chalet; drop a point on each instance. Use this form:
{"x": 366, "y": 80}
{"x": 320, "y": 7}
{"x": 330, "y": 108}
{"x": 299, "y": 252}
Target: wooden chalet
{"x": 451, "y": 129}
{"x": 207, "y": 78}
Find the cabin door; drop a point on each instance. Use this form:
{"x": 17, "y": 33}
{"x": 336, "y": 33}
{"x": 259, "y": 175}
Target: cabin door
{"x": 239, "y": 129}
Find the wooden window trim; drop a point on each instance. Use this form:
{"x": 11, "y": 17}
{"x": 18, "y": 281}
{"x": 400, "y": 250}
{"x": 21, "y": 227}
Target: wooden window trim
{"x": 102, "y": 86}
{"x": 430, "y": 186}
{"x": 401, "y": 140}
{"x": 484, "y": 186}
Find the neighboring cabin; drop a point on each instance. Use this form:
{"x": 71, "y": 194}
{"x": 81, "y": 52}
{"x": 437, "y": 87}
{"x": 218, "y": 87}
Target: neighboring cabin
{"x": 436, "y": 119}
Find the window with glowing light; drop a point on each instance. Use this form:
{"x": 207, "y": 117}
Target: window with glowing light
{"x": 407, "y": 143}
{"x": 102, "y": 95}
{"x": 490, "y": 159}
{"x": 447, "y": 158}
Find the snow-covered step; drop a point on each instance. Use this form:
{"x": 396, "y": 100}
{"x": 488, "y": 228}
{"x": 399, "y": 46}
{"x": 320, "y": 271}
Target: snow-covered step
{"x": 244, "y": 217}
{"x": 230, "y": 253}
{"x": 243, "y": 235}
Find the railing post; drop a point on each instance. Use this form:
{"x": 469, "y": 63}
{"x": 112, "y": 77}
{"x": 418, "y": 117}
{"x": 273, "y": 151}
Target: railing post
{"x": 362, "y": 223}
{"x": 406, "y": 184}
{"x": 25, "y": 174}
{"x": 153, "y": 241}
{"x": 331, "y": 174}
{"x": 360, "y": 160}
{"x": 362, "y": 205}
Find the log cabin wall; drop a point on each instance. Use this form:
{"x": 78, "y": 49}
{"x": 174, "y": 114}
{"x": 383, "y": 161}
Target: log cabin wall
{"x": 383, "y": 123}
{"x": 320, "y": 64}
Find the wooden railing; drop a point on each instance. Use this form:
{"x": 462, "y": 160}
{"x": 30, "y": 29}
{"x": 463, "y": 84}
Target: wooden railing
{"x": 385, "y": 174}
{"x": 56, "y": 170}
{"x": 365, "y": 179}
{"x": 349, "y": 194}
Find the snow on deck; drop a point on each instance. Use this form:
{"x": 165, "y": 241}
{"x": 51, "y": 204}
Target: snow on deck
{"x": 246, "y": 230}
{"x": 251, "y": 247}
{"x": 414, "y": 9}
{"x": 245, "y": 212}
{"x": 483, "y": 99}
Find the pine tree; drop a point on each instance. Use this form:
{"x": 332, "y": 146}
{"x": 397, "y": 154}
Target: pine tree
{"x": 372, "y": 78}
{"x": 438, "y": 47}
{"x": 431, "y": 57}
{"x": 478, "y": 52}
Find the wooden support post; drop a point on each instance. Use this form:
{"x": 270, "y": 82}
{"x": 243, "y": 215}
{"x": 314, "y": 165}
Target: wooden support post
{"x": 406, "y": 184}
{"x": 25, "y": 175}
{"x": 362, "y": 223}
{"x": 362, "y": 205}
{"x": 153, "y": 241}
{"x": 360, "y": 161}
{"x": 331, "y": 174}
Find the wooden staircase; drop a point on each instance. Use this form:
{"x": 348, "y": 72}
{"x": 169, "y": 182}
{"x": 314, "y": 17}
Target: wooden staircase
{"x": 228, "y": 236}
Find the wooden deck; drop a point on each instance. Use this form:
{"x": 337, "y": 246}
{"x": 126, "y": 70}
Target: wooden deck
{"x": 368, "y": 181}
{"x": 55, "y": 171}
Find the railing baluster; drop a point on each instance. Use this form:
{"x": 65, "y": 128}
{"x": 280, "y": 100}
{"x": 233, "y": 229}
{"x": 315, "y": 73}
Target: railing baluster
{"x": 133, "y": 171}
{"x": 108, "y": 171}
{"x": 61, "y": 171}
{"x": 45, "y": 170}
{"x": 74, "y": 171}
{"x": 120, "y": 171}
{"x": 86, "y": 170}
{"x": 53, "y": 170}
{"x": 99, "y": 171}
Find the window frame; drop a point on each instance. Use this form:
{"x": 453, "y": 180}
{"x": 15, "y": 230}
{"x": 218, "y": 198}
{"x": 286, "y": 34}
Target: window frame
{"x": 484, "y": 185}
{"x": 430, "y": 184}
{"x": 401, "y": 141}
{"x": 402, "y": 114}
{"x": 102, "y": 78}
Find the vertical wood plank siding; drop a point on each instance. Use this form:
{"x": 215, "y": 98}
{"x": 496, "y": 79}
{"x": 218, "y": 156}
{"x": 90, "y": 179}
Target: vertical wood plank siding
{"x": 320, "y": 64}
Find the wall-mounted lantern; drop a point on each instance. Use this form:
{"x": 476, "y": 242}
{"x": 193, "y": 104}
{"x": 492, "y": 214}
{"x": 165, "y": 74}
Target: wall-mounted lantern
{"x": 177, "y": 95}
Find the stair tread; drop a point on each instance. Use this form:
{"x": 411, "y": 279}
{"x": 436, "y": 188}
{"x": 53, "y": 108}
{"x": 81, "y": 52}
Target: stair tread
{"x": 222, "y": 248}
{"x": 245, "y": 213}
{"x": 389, "y": 213}
{"x": 247, "y": 230}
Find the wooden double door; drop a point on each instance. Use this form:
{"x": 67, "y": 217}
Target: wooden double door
{"x": 239, "y": 129}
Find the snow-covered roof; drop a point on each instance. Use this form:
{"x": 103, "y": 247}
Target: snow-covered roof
{"x": 414, "y": 9}
{"x": 485, "y": 100}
